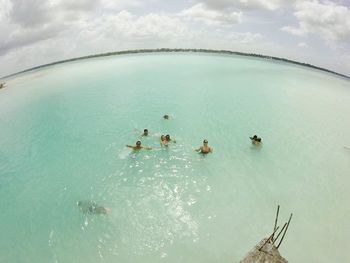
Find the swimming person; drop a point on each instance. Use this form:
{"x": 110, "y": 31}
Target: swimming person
{"x": 166, "y": 117}
{"x": 205, "y": 148}
{"x": 145, "y": 132}
{"x": 138, "y": 146}
{"x": 2, "y": 85}
{"x": 92, "y": 208}
{"x": 163, "y": 141}
{"x": 255, "y": 140}
{"x": 168, "y": 139}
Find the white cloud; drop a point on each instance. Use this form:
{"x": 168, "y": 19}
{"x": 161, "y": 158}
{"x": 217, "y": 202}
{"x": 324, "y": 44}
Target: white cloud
{"x": 245, "y": 4}
{"x": 4, "y": 10}
{"x": 118, "y": 5}
{"x": 29, "y": 14}
{"x": 294, "y": 30}
{"x": 109, "y": 32}
{"x": 124, "y": 25}
{"x": 26, "y": 23}
{"x": 302, "y": 45}
{"x": 84, "y": 5}
{"x": 200, "y": 12}
{"x": 244, "y": 38}
{"x": 23, "y": 37}
{"x": 327, "y": 19}
{"x": 42, "y": 32}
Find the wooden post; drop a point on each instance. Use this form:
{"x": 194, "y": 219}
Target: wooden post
{"x": 276, "y": 219}
{"x": 285, "y": 224}
{"x": 290, "y": 218}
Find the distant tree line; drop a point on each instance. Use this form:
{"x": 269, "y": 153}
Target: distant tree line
{"x": 226, "y": 52}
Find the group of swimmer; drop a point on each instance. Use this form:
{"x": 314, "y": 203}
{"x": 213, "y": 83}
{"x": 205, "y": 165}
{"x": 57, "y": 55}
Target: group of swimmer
{"x": 255, "y": 140}
{"x": 90, "y": 207}
{"x": 165, "y": 140}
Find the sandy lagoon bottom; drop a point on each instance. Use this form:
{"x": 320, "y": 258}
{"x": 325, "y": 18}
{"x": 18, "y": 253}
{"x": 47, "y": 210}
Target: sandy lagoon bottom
{"x": 63, "y": 132}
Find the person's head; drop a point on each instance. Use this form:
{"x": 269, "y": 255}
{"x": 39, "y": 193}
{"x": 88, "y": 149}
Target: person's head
{"x": 162, "y": 137}
{"x": 167, "y": 137}
{"x": 138, "y": 143}
{"x": 254, "y": 137}
{"x": 145, "y": 132}
{"x": 258, "y": 139}
{"x": 205, "y": 142}
{"x": 166, "y": 116}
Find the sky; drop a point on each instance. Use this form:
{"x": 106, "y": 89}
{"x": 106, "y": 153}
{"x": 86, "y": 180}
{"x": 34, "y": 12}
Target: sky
{"x": 36, "y": 32}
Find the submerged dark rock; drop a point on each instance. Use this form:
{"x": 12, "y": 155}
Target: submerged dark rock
{"x": 91, "y": 207}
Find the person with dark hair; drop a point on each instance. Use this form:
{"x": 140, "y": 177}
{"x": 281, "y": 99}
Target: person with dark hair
{"x": 166, "y": 117}
{"x": 255, "y": 140}
{"x": 145, "y": 132}
{"x": 168, "y": 139}
{"x": 254, "y": 137}
{"x": 138, "y": 146}
{"x": 205, "y": 148}
{"x": 163, "y": 141}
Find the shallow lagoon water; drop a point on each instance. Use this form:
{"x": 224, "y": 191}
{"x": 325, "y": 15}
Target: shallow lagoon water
{"x": 63, "y": 131}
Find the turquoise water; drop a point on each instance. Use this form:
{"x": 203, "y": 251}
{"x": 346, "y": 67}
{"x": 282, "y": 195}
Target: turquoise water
{"x": 63, "y": 132}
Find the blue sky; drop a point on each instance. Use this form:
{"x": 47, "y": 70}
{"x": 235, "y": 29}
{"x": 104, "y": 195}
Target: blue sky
{"x": 35, "y": 32}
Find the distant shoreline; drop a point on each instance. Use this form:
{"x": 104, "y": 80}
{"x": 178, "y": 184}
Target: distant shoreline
{"x": 212, "y": 51}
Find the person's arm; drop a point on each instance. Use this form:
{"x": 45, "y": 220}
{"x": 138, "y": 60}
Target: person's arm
{"x": 211, "y": 149}
{"x": 148, "y": 148}
{"x": 130, "y": 146}
{"x": 199, "y": 149}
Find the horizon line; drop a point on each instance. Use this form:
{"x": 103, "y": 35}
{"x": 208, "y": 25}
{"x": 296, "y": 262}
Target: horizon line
{"x": 155, "y": 50}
